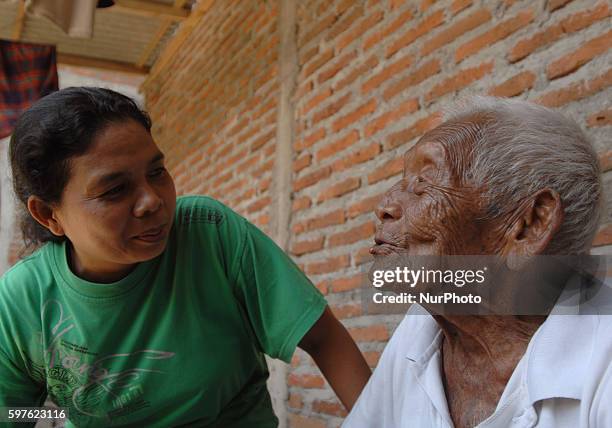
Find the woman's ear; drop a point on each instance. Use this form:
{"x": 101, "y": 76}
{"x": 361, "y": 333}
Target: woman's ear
{"x": 44, "y": 214}
{"x": 534, "y": 228}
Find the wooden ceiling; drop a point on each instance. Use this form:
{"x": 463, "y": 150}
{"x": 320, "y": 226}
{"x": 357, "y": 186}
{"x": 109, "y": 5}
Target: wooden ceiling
{"x": 128, "y": 36}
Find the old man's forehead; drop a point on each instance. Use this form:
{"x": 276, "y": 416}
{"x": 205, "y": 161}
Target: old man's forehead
{"x": 456, "y": 136}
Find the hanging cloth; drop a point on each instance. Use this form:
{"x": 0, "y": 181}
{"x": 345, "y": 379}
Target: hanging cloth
{"x": 27, "y": 72}
{"x": 74, "y": 17}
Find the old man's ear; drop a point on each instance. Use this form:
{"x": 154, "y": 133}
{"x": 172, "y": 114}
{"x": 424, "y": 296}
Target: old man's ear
{"x": 535, "y": 226}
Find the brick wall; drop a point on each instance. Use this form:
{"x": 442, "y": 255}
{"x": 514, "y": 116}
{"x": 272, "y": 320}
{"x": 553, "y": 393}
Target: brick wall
{"x": 214, "y": 107}
{"x": 372, "y": 76}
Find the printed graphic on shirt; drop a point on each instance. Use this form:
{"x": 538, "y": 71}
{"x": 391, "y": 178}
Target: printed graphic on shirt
{"x": 90, "y": 385}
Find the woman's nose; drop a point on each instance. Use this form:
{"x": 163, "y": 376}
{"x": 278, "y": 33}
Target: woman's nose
{"x": 148, "y": 202}
{"x": 388, "y": 210}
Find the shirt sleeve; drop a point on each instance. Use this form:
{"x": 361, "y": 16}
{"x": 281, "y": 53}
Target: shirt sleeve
{"x": 281, "y": 303}
{"x": 17, "y": 388}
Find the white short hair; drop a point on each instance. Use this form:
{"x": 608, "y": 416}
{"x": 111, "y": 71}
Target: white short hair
{"x": 523, "y": 148}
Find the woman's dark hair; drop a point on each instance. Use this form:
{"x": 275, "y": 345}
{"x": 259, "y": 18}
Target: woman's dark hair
{"x": 53, "y": 130}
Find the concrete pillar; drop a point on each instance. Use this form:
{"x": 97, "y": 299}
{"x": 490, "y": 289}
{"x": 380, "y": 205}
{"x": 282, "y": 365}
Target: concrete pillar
{"x": 280, "y": 214}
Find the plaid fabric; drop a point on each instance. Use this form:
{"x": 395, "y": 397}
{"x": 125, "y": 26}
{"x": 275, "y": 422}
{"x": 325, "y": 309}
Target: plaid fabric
{"x": 27, "y": 72}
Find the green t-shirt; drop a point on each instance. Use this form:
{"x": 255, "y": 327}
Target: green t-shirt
{"x": 179, "y": 341}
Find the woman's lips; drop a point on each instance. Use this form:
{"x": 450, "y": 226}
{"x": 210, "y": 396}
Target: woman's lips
{"x": 152, "y": 235}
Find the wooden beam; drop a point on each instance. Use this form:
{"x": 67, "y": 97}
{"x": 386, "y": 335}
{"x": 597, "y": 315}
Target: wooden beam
{"x": 161, "y": 31}
{"x": 20, "y": 20}
{"x": 151, "y": 9}
{"x": 105, "y": 64}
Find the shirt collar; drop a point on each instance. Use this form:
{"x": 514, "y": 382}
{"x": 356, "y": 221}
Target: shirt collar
{"x": 557, "y": 355}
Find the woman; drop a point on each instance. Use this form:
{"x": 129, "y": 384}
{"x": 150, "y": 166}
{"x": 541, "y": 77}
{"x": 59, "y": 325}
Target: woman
{"x": 143, "y": 309}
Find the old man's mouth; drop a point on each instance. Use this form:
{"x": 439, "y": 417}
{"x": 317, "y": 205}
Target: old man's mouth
{"x": 384, "y": 248}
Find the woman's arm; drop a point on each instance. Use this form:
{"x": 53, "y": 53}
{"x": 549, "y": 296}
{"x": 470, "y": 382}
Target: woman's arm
{"x": 338, "y": 357}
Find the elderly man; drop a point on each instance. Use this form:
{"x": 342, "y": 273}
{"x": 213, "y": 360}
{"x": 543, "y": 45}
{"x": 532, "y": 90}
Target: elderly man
{"x": 516, "y": 180}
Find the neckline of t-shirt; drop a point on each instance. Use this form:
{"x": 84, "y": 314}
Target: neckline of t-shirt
{"x": 94, "y": 290}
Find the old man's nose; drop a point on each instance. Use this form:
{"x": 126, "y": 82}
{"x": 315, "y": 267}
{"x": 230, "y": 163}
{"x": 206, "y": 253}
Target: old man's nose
{"x": 388, "y": 211}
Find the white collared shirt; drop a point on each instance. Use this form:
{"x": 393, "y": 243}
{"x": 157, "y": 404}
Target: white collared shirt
{"x": 564, "y": 379}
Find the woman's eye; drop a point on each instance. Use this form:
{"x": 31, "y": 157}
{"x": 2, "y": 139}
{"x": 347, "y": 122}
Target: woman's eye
{"x": 157, "y": 172}
{"x": 114, "y": 191}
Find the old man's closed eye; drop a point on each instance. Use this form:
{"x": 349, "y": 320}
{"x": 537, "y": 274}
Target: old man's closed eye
{"x": 516, "y": 181}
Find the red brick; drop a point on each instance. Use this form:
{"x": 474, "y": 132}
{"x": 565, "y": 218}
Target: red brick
{"x": 574, "y": 60}
{"x": 455, "y": 31}
{"x": 295, "y": 360}
{"x": 426, "y": 4}
{"x": 605, "y": 161}
{"x": 323, "y": 287}
{"x": 387, "y": 73}
{"x": 299, "y": 421}
{"x": 307, "y": 381}
{"x": 330, "y": 264}
{"x": 458, "y": 5}
{"x": 356, "y": 157}
{"x": 340, "y": 188}
{"x": 311, "y": 139}
{"x": 308, "y": 55}
{"x": 576, "y": 91}
{"x": 318, "y": 62}
{"x": 258, "y": 143}
{"x": 417, "y": 129}
{"x": 422, "y": 28}
{"x": 329, "y": 408}
{"x": 331, "y": 218}
{"x": 514, "y": 86}
{"x": 604, "y": 236}
{"x": 372, "y": 357}
{"x": 393, "y": 115}
{"x": 311, "y": 179}
{"x": 316, "y": 99}
{"x": 364, "y": 25}
{"x": 300, "y": 204}
{"x": 343, "y": 6}
{"x": 556, "y": 4}
{"x": 493, "y": 35}
{"x": 395, "y": 25}
{"x": 354, "y": 234}
{"x": 526, "y": 46}
{"x": 337, "y": 146}
{"x": 371, "y": 333}
{"x": 335, "y": 68}
{"x": 264, "y": 184}
{"x": 584, "y": 19}
{"x": 258, "y": 205}
{"x": 302, "y": 162}
{"x": 354, "y": 116}
{"x": 295, "y": 401}
{"x": 389, "y": 169}
{"x": 307, "y": 246}
{"x": 353, "y": 282}
{"x": 427, "y": 70}
{"x": 321, "y": 25}
{"x": 364, "y": 206}
{"x": 359, "y": 70}
{"x": 602, "y": 118}
{"x": 331, "y": 109}
{"x": 345, "y": 22}
{"x": 346, "y": 311}
{"x": 460, "y": 80}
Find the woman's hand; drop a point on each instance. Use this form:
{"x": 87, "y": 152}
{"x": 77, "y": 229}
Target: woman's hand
{"x": 338, "y": 358}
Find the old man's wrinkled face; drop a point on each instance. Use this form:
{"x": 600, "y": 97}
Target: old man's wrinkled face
{"x": 432, "y": 210}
